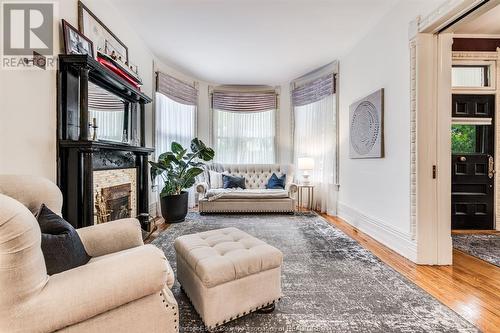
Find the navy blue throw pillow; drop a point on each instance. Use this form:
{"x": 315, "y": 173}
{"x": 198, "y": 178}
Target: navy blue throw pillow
{"x": 61, "y": 246}
{"x": 276, "y": 183}
{"x": 233, "y": 182}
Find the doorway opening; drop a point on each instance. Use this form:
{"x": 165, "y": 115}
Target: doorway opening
{"x": 475, "y": 135}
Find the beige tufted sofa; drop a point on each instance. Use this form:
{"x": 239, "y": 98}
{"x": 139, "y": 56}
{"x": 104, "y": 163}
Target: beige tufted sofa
{"x": 255, "y": 198}
{"x": 124, "y": 288}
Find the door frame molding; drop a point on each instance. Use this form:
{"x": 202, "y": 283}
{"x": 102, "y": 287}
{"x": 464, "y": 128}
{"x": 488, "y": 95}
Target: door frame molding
{"x": 430, "y": 105}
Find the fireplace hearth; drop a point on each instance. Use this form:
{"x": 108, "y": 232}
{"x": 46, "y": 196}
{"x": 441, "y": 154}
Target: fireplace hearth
{"x": 114, "y": 203}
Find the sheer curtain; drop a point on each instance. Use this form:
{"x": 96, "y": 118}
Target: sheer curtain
{"x": 174, "y": 122}
{"x": 315, "y": 136}
{"x": 245, "y": 137}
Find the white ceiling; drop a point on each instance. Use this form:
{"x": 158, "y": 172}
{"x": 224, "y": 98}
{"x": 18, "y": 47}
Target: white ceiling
{"x": 251, "y": 41}
{"x": 487, "y": 24}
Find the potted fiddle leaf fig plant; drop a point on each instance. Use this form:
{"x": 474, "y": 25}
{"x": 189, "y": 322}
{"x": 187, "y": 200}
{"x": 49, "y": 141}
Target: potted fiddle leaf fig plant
{"x": 178, "y": 169}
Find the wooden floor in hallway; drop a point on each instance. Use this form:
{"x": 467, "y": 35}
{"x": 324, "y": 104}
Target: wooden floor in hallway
{"x": 470, "y": 287}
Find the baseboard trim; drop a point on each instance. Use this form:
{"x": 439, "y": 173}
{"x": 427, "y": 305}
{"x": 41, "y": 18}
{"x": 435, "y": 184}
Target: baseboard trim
{"x": 394, "y": 239}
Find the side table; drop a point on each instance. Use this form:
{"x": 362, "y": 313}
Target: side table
{"x": 309, "y": 189}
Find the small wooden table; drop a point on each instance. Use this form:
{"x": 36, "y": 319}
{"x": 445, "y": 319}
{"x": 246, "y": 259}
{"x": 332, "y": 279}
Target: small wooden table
{"x": 310, "y": 195}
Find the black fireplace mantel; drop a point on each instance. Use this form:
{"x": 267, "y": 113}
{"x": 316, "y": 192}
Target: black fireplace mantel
{"x": 79, "y": 156}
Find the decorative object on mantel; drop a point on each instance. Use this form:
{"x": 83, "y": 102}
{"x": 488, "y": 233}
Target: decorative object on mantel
{"x": 178, "y": 169}
{"x": 366, "y": 130}
{"x": 134, "y": 75}
{"x": 113, "y": 65}
{"x": 305, "y": 164}
{"x": 94, "y": 129}
{"x": 103, "y": 38}
{"x": 75, "y": 42}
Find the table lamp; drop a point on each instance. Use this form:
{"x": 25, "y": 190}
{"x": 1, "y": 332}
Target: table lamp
{"x": 305, "y": 164}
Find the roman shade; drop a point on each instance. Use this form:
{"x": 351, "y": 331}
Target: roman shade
{"x": 244, "y": 101}
{"x": 314, "y": 90}
{"x": 176, "y": 89}
{"x": 102, "y": 100}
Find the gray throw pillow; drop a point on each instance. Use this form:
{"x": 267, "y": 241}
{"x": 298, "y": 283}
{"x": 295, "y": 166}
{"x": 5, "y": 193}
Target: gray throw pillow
{"x": 61, "y": 246}
{"x": 233, "y": 182}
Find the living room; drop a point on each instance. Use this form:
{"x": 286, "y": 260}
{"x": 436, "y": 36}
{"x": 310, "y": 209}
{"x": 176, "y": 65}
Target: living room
{"x": 250, "y": 166}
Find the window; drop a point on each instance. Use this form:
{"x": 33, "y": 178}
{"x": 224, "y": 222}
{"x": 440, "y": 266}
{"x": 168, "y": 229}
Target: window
{"x": 315, "y": 136}
{"x": 470, "y": 76}
{"x": 175, "y": 117}
{"x": 174, "y": 122}
{"x": 245, "y": 137}
{"x": 244, "y": 127}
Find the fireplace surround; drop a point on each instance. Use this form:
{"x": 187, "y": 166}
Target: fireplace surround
{"x": 82, "y": 160}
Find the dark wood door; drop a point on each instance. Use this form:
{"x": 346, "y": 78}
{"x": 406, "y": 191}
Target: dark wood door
{"x": 472, "y": 167}
{"x": 472, "y": 191}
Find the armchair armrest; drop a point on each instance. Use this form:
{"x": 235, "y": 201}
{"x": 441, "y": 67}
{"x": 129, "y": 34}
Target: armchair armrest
{"x": 202, "y": 188}
{"x": 292, "y": 188}
{"x": 111, "y": 237}
{"x": 78, "y": 294}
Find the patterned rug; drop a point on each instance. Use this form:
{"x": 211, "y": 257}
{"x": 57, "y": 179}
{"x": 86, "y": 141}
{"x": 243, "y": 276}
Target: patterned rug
{"x": 330, "y": 283}
{"x": 482, "y": 246}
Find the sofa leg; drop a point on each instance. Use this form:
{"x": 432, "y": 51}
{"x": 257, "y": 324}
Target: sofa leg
{"x": 268, "y": 309}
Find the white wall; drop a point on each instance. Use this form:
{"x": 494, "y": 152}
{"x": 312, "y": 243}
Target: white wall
{"x": 375, "y": 193}
{"x": 28, "y": 109}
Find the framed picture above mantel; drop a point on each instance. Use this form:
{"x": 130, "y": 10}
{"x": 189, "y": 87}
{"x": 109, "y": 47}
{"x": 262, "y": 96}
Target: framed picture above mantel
{"x": 105, "y": 41}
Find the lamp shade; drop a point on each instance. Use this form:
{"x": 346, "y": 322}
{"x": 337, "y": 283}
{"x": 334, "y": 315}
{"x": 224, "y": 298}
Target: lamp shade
{"x": 305, "y": 163}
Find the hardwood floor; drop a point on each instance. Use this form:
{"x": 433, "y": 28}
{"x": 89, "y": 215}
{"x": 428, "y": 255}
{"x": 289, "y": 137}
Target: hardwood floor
{"x": 470, "y": 287}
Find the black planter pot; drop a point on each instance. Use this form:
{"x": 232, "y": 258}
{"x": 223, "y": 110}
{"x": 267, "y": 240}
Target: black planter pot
{"x": 174, "y": 208}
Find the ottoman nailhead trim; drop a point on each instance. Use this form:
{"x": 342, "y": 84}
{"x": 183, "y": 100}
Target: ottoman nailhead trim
{"x": 242, "y": 314}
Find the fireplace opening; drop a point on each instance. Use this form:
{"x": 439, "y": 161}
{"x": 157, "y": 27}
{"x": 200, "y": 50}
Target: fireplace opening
{"x": 113, "y": 203}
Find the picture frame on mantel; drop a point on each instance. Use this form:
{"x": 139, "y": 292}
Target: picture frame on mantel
{"x": 366, "y": 127}
{"x": 75, "y": 42}
{"x": 105, "y": 41}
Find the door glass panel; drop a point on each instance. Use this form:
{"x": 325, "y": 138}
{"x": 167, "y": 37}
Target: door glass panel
{"x": 470, "y": 76}
{"x": 463, "y": 139}
{"x": 470, "y": 139}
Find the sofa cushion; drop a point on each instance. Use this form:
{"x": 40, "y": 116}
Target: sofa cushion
{"x": 246, "y": 194}
{"x": 276, "y": 183}
{"x": 233, "y": 181}
{"x": 223, "y": 255}
{"x": 61, "y": 246}
{"x": 215, "y": 179}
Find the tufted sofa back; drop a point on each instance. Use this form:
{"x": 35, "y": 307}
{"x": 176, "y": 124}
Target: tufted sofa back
{"x": 256, "y": 175}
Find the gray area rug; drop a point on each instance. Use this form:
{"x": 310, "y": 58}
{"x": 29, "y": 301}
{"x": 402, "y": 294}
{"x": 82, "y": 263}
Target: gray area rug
{"x": 330, "y": 283}
{"x": 482, "y": 246}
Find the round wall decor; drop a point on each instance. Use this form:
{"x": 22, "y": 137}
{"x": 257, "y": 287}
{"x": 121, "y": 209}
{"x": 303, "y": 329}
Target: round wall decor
{"x": 366, "y": 126}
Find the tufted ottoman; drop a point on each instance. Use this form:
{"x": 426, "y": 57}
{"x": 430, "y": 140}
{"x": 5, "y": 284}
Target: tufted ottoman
{"x": 227, "y": 273}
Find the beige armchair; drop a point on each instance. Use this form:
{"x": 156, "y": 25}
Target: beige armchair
{"x": 124, "y": 288}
